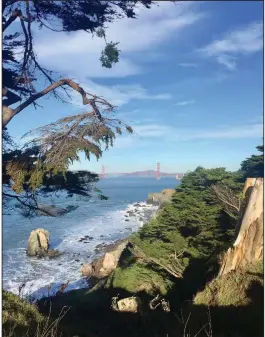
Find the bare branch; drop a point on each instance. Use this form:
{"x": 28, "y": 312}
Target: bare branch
{"x": 7, "y": 118}
{"x": 26, "y": 49}
{"x": 15, "y": 14}
{"x": 228, "y": 199}
{"x": 169, "y": 269}
{"x": 30, "y": 207}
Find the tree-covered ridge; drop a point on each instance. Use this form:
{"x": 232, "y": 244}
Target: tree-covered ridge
{"x": 195, "y": 215}
{"x": 200, "y": 221}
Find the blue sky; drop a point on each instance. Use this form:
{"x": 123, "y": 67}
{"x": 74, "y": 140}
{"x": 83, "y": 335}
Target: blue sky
{"x": 189, "y": 81}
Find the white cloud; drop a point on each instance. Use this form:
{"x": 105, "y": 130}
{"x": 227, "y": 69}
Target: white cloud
{"x": 79, "y": 53}
{"x": 146, "y": 134}
{"x": 76, "y": 55}
{"x": 235, "y": 132}
{"x": 168, "y": 133}
{"x": 228, "y": 61}
{"x": 117, "y": 95}
{"x": 244, "y": 41}
{"x": 124, "y": 142}
{"x": 151, "y": 130}
{"x": 188, "y": 65}
{"x": 183, "y": 103}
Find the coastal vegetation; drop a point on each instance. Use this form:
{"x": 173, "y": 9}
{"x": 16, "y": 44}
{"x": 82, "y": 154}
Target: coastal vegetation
{"x": 174, "y": 259}
{"x": 169, "y": 269}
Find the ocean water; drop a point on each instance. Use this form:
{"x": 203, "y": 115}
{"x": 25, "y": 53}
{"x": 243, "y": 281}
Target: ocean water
{"x": 102, "y": 220}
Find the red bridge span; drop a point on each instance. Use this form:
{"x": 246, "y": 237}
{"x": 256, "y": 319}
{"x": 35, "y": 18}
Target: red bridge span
{"x": 151, "y": 173}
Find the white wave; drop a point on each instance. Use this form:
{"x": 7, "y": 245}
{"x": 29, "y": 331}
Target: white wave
{"x": 43, "y": 277}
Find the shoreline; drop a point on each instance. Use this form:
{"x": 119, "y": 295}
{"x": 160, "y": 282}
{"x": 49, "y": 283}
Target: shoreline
{"x": 34, "y": 289}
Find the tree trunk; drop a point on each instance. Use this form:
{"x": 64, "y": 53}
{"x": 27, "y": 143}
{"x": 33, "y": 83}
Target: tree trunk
{"x": 7, "y": 114}
{"x": 248, "y": 246}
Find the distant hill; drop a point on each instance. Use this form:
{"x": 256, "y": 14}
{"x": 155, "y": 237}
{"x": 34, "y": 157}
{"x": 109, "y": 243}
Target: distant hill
{"x": 148, "y": 173}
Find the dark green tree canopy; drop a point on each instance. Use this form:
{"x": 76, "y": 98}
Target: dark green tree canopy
{"x": 253, "y": 167}
{"x": 202, "y": 216}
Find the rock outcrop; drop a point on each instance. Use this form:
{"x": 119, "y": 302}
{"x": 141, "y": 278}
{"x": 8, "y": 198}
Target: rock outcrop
{"x": 248, "y": 246}
{"x": 87, "y": 269}
{"x": 103, "y": 266}
{"x": 160, "y": 199}
{"x": 129, "y": 304}
{"x": 51, "y": 210}
{"x": 39, "y": 244}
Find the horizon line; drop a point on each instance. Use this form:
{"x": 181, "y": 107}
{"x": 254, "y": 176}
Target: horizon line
{"x": 134, "y": 172}
{"x": 141, "y": 172}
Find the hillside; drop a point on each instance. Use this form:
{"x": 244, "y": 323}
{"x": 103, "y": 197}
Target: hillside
{"x": 148, "y": 173}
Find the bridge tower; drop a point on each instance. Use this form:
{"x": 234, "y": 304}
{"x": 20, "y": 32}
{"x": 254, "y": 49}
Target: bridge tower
{"x": 102, "y": 176}
{"x": 158, "y": 176}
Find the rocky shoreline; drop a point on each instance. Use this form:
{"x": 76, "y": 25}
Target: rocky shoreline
{"x": 102, "y": 270}
{"x": 105, "y": 255}
{"x": 107, "y": 262}
{"x": 140, "y": 212}
{"x": 110, "y": 254}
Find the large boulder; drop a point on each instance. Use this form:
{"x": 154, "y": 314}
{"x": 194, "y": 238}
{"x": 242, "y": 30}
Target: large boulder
{"x": 129, "y": 304}
{"x": 87, "y": 269}
{"x": 38, "y": 243}
{"x": 103, "y": 266}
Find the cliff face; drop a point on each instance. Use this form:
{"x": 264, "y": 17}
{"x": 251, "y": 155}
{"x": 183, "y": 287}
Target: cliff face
{"x": 235, "y": 297}
{"x": 248, "y": 246}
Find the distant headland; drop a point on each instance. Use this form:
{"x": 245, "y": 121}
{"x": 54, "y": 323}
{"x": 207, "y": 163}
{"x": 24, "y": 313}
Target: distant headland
{"x": 148, "y": 173}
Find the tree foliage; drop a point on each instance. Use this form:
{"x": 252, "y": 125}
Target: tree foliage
{"x": 195, "y": 224}
{"x": 92, "y": 16}
{"x": 200, "y": 222}
{"x": 55, "y": 146}
{"x": 253, "y": 167}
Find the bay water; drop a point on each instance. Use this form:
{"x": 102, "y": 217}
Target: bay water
{"x": 100, "y": 221}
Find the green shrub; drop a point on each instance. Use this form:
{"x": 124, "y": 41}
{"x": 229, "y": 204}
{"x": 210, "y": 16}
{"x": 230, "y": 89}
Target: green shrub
{"x": 139, "y": 278}
{"x": 19, "y": 313}
{"x": 231, "y": 289}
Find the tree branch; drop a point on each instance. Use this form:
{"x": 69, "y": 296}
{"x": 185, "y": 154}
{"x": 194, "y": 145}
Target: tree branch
{"x": 15, "y": 14}
{"x": 13, "y": 112}
{"x": 172, "y": 272}
{"x": 225, "y": 197}
{"x": 31, "y": 207}
{"x": 230, "y": 201}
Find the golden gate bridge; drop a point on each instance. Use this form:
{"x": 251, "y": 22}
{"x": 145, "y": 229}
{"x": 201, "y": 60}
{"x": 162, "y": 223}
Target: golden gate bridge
{"x": 157, "y": 174}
